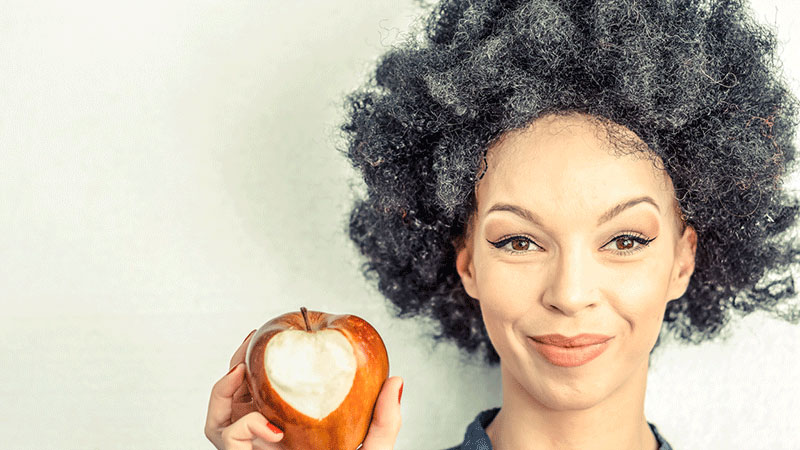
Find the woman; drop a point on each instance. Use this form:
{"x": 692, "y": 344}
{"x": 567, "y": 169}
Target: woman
{"x": 552, "y": 182}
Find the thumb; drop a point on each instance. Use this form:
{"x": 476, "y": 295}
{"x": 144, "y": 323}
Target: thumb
{"x": 386, "y": 419}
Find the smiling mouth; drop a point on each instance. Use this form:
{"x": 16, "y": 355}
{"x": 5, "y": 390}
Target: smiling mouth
{"x": 570, "y": 352}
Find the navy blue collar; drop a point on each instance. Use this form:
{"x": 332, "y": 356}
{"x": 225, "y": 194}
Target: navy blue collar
{"x": 475, "y": 438}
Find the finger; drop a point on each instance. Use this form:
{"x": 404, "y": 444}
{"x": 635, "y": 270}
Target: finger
{"x": 219, "y": 405}
{"x": 252, "y": 427}
{"x": 238, "y": 356}
{"x": 260, "y": 444}
{"x": 386, "y": 419}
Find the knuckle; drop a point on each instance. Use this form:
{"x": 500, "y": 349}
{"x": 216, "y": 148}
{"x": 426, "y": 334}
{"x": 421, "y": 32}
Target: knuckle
{"x": 254, "y": 417}
{"x": 226, "y": 435}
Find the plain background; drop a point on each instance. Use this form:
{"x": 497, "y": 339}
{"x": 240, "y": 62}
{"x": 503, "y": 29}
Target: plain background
{"x": 169, "y": 181}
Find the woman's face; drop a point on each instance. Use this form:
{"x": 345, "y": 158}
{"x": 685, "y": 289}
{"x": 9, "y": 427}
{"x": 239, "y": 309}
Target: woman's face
{"x": 569, "y": 238}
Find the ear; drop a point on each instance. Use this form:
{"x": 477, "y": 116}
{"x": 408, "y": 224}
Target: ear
{"x": 466, "y": 267}
{"x": 683, "y": 268}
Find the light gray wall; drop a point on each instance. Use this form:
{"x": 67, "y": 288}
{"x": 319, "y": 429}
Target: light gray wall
{"x": 169, "y": 181}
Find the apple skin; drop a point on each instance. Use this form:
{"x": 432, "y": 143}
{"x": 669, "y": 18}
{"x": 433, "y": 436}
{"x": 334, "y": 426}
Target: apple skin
{"x": 344, "y": 428}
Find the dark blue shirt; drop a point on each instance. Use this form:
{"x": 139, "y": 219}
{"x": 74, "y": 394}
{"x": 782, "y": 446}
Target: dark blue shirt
{"x": 476, "y": 438}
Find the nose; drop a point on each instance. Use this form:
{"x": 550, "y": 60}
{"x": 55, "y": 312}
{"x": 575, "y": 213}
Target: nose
{"x": 572, "y": 283}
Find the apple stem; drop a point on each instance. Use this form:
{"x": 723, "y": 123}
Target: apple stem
{"x": 305, "y": 317}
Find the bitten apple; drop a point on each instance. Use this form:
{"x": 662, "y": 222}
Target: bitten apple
{"x": 317, "y": 377}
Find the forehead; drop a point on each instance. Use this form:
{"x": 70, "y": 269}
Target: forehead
{"x": 571, "y": 164}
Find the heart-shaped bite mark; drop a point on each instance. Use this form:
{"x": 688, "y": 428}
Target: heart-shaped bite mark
{"x": 311, "y": 371}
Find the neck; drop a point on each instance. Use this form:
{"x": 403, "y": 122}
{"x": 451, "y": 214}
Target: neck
{"x": 616, "y": 422}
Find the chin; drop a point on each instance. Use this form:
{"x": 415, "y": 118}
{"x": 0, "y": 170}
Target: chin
{"x": 566, "y": 398}
{"x": 557, "y": 392}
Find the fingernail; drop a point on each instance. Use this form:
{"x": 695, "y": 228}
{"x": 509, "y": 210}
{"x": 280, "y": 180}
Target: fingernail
{"x": 251, "y": 333}
{"x": 400, "y": 394}
{"x": 274, "y": 429}
{"x": 232, "y": 369}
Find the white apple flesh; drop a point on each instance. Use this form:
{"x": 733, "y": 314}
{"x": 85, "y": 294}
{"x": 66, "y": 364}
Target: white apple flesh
{"x": 312, "y": 372}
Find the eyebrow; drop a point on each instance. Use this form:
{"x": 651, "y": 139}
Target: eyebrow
{"x": 608, "y": 215}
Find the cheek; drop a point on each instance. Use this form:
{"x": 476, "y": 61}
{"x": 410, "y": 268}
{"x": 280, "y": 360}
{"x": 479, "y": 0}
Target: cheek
{"x": 506, "y": 291}
{"x": 640, "y": 292}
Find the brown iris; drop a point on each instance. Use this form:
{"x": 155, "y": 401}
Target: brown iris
{"x": 624, "y": 243}
{"x": 520, "y": 245}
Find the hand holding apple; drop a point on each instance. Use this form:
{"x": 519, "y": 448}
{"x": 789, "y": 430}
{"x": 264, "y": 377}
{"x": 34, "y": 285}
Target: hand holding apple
{"x": 317, "y": 377}
{"x": 250, "y": 431}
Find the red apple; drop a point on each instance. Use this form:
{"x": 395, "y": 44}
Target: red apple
{"x": 317, "y": 376}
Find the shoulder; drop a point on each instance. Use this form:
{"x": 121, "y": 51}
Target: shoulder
{"x": 475, "y": 437}
{"x": 662, "y": 443}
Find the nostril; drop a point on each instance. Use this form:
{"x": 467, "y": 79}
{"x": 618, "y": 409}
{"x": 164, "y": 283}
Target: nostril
{"x": 569, "y": 306}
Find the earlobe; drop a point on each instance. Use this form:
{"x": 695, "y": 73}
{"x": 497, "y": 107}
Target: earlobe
{"x": 466, "y": 269}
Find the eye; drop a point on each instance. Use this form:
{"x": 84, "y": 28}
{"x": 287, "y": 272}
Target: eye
{"x": 628, "y": 243}
{"x": 515, "y": 244}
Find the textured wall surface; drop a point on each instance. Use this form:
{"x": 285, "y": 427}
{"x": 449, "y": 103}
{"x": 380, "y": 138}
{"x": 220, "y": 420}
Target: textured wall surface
{"x": 169, "y": 181}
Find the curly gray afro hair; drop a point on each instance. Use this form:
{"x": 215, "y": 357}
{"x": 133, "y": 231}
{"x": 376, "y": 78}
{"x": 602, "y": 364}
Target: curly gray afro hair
{"x": 696, "y": 80}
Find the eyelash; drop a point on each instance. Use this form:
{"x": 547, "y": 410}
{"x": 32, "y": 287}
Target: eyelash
{"x": 636, "y": 237}
{"x": 504, "y": 241}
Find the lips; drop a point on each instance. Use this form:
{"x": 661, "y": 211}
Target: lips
{"x": 573, "y": 351}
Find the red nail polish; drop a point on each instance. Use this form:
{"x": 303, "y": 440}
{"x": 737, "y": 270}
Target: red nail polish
{"x": 400, "y": 394}
{"x": 274, "y": 429}
{"x": 232, "y": 369}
